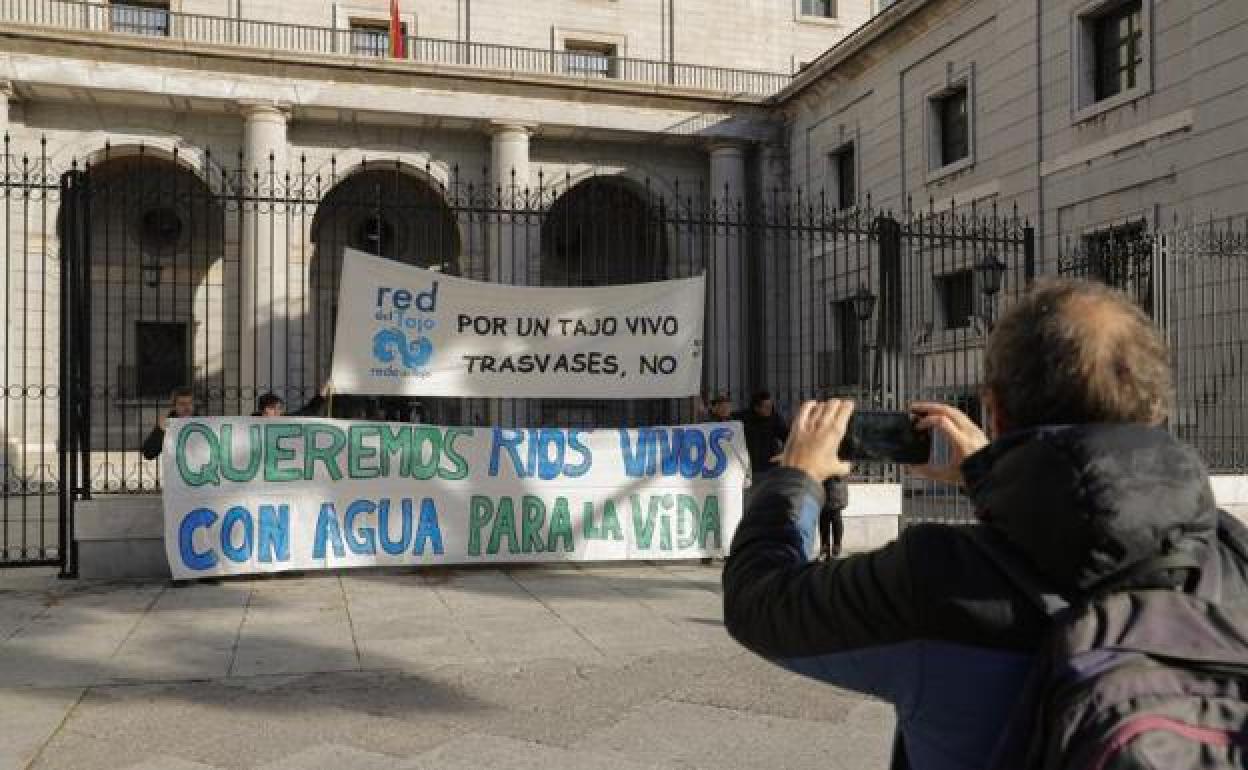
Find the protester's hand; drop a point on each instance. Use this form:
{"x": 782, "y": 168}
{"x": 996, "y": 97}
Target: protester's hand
{"x": 964, "y": 437}
{"x": 325, "y": 390}
{"x": 162, "y": 420}
{"x": 815, "y": 440}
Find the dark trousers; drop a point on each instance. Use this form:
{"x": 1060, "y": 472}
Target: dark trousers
{"x": 831, "y": 528}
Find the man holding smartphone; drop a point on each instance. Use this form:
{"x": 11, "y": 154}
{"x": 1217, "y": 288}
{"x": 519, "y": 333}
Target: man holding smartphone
{"x": 1080, "y": 480}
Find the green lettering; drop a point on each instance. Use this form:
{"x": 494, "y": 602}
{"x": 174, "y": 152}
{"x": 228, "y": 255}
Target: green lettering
{"x": 533, "y": 519}
{"x": 611, "y": 522}
{"x": 420, "y": 467}
{"x": 686, "y": 522}
{"x": 504, "y": 526}
{"x": 275, "y": 453}
{"x": 480, "y": 511}
{"x": 588, "y": 529}
{"x": 459, "y": 466}
{"x": 357, "y": 452}
{"x": 208, "y": 472}
{"x": 395, "y": 439}
{"x": 561, "y": 525}
{"x": 710, "y": 522}
{"x": 227, "y": 454}
{"x": 313, "y": 452}
{"x": 642, "y": 533}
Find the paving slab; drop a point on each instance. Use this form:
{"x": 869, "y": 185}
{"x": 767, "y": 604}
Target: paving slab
{"x": 476, "y": 751}
{"x": 623, "y": 666}
{"x": 689, "y": 736}
{"x": 30, "y": 718}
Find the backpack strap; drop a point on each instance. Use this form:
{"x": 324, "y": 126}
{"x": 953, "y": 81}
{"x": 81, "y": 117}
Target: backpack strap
{"x": 1153, "y": 566}
{"x": 1021, "y": 575}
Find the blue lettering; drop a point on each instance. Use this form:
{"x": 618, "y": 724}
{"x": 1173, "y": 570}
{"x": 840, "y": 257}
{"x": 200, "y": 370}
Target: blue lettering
{"x": 509, "y": 440}
{"x": 587, "y": 459}
{"x": 199, "y": 560}
{"x": 362, "y": 541}
{"x": 639, "y": 460}
{"x": 393, "y": 547}
{"x": 549, "y": 468}
{"x": 274, "y": 533}
{"x": 233, "y": 517}
{"x": 428, "y": 529}
{"x": 326, "y": 528}
{"x": 692, "y": 453}
{"x": 716, "y": 443}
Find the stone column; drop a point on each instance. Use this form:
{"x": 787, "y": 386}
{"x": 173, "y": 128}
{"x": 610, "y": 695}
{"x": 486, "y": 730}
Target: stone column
{"x": 509, "y": 180}
{"x": 264, "y": 256}
{"x": 774, "y": 287}
{"x": 513, "y": 239}
{"x": 727, "y": 332}
{"x": 7, "y": 95}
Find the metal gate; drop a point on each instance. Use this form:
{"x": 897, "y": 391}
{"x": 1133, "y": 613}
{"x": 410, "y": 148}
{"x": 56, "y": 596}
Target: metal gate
{"x": 32, "y": 478}
{"x": 960, "y": 270}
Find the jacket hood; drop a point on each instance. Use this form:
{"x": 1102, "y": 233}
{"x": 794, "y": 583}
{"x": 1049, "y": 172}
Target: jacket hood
{"x": 1084, "y": 502}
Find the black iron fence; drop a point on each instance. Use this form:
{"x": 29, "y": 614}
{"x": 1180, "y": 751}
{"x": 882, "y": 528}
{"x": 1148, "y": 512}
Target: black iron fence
{"x": 142, "y": 20}
{"x": 142, "y": 273}
{"x": 1193, "y": 280}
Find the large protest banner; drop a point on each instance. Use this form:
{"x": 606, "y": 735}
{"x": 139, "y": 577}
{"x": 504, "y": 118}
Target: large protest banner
{"x": 246, "y": 495}
{"x": 403, "y": 330}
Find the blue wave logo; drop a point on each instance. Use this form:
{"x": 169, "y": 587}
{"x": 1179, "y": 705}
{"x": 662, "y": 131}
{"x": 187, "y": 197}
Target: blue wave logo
{"x": 391, "y": 343}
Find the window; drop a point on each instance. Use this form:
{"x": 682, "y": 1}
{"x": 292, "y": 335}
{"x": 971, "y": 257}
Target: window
{"x": 953, "y": 124}
{"x": 595, "y": 60}
{"x": 824, "y": 9}
{"x": 140, "y": 17}
{"x": 161, "y": 357}
{"x": 372, "y": 38}
{"x": 842, "y": 165}
{"x": 1112, "y": 62}
{"x": 843, "y": 363}
{"x": 956, "y": 295}
{"x": 1118, "y": 51}
{"x": 1120, "y": 257}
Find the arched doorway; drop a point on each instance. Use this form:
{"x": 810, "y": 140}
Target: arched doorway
{"x": 390, "y": 213}
{"x": 158, "y": 306}
{"x": 603, "y": 231}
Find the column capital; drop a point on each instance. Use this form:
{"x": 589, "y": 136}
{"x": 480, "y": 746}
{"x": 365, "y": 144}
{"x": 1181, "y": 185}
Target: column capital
{"x": 502, "y": 127}
{"x": 264, "y": 109}
{"x": 726, "y": 147}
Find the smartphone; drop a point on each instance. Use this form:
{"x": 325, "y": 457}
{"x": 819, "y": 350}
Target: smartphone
{"x": 885, "y": 437}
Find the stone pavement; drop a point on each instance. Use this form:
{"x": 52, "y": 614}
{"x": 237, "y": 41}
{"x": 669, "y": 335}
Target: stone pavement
{"x": 592, "y": 668}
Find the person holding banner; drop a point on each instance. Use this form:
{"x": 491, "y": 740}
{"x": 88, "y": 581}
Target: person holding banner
{"x": 271, "y": 405}
{"x": 765, "y": 433}
{"x": 182, "y": 405}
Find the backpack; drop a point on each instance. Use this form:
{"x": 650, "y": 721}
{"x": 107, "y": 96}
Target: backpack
{"x": 1132, "y": 678}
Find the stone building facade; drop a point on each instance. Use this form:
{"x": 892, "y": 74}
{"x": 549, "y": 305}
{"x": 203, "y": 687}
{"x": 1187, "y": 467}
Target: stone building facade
{"x": 1094, "y": 118}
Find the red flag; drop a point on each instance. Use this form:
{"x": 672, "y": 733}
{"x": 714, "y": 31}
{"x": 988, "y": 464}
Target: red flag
{"x": 398, "y": 45}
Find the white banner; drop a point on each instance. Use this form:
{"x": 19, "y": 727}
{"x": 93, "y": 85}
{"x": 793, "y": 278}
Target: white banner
{"x": 249, "y": 495}
{"x": 403, "y": 330}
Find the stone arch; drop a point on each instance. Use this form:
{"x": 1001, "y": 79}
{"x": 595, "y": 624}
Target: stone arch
{"x": 388, "y": 209}
{"x": 157, "y": 236}
{"x": 604, "y": 230}
{"x": 99, "y": 147}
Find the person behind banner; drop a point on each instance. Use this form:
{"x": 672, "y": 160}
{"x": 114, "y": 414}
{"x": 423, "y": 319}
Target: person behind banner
{"x": 182, "y": 405}
{"x": 720, "y": 411}
{"x": 271, "y": 405}
{"x": 765, "y": 433}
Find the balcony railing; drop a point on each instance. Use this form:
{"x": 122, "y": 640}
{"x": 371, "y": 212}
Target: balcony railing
{"x": 145, "y": 21}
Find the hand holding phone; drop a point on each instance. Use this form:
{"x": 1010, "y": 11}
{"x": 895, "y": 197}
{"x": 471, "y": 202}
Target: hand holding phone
{"x": 959, "y": 431}
{"x": 886, "y": 437}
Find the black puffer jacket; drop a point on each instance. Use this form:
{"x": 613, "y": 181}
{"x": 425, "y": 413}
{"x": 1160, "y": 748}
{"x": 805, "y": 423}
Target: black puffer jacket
{"x": 915, "y": 621}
